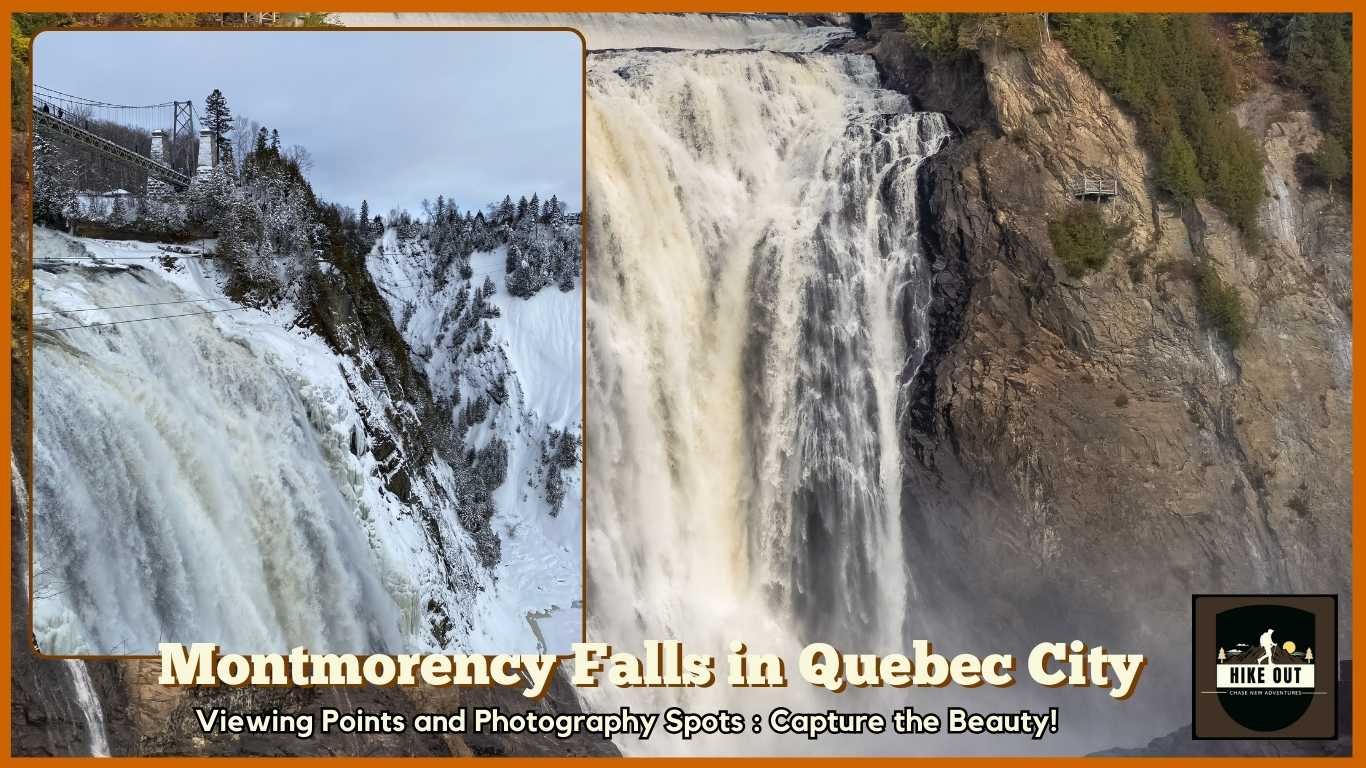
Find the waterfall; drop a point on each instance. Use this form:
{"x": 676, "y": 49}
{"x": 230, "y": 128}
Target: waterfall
{"x": 86, "y": 698}
{"x": 181, "y": 491}
{"x": 90, "y": 706}
{"x": 753, "y": 252}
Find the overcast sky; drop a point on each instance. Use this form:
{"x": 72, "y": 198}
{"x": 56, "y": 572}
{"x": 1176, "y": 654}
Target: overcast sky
{"x": 393, "y": 117}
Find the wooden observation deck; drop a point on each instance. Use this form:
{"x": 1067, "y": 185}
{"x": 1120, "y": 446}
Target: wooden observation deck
{"x": 1089, "y": 184}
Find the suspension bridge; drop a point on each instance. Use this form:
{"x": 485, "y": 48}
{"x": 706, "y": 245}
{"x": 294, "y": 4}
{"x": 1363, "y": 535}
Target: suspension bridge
{"x": 108, "y": 129}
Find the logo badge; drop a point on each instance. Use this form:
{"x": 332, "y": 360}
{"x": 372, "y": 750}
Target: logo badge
{"x": 1265, "y": 666}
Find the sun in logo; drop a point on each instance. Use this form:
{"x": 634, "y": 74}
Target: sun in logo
{"x": 1289, "y": 646}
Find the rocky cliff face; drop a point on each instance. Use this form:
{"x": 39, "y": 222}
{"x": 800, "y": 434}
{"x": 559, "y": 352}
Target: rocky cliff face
{"x": 1089, "y": 452}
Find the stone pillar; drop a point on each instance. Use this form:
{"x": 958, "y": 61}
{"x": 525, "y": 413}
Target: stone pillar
{"x": 208, "y": 153}
{"x": 161, "y": 153}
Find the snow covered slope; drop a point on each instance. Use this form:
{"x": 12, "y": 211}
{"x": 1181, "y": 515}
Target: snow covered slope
{"x": 535, "y": 350}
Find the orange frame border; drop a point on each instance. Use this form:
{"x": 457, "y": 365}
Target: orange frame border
{"x": 1358, "y": 643}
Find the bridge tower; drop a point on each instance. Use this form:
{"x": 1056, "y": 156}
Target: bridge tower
{"x": 182, "y": 132}
{"x": 161, "y": 153}
{"x": 208, "y": 153}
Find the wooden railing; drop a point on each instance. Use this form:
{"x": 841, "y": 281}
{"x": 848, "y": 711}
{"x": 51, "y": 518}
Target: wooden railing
{"x": 1085, "y": 186}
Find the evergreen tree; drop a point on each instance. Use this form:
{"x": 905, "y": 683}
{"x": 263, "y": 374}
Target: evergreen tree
{"x": 1174, "y": 73}
{"x": 503, "y": 211}
{"x": 1330, "y": 162}
{"x": 119, "y": 215}
{"x": 1177, "y": 172}
{"x": 218, "y": 119}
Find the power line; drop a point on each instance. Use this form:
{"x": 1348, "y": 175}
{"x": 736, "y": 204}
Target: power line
{"x": 123, "y": 306}
{"x": 179, "y": 256}
{"x": 141, "y": 319}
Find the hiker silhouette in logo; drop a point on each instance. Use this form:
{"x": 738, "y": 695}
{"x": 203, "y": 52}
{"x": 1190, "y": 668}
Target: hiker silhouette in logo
{"x": 1267, "y": 645}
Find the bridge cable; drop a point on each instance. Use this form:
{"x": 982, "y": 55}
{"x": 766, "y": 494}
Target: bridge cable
{"x": 82, "y": 100}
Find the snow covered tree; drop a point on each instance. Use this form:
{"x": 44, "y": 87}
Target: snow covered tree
{"x": 541, "y": 249}
{"x": 504, "y": 211}
{"x": 54, "y": 183}
{"x": 119, "y": 214}
{"x": 491, "y": 463}
{"x": 554, "y": 491}
{"x": 567, "y": 450}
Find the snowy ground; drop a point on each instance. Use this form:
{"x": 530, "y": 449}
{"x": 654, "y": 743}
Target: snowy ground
{"x": 542, "y": 560}
{"x": 540, "y": 339}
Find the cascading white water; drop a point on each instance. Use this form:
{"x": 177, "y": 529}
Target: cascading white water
{"x": 90, "y": 706}
{"x": 226, "y": 477}
{"x": 86, "y": 697}
{"x": 185, "y": 497}
{"x": 753, "y": 245}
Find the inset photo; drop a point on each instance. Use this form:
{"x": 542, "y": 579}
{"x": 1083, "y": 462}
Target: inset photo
{"x": 307, "y": 341}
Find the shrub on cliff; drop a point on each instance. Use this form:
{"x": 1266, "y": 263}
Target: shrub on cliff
{"x": 1329, "y": 164}
{"x": 936, "y": 33}
{"x": 1178, "y": 172}
{"x": 944, "y": 35}
{"x": 1221, "y": 304}
{"x": 1082, "y": 239}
